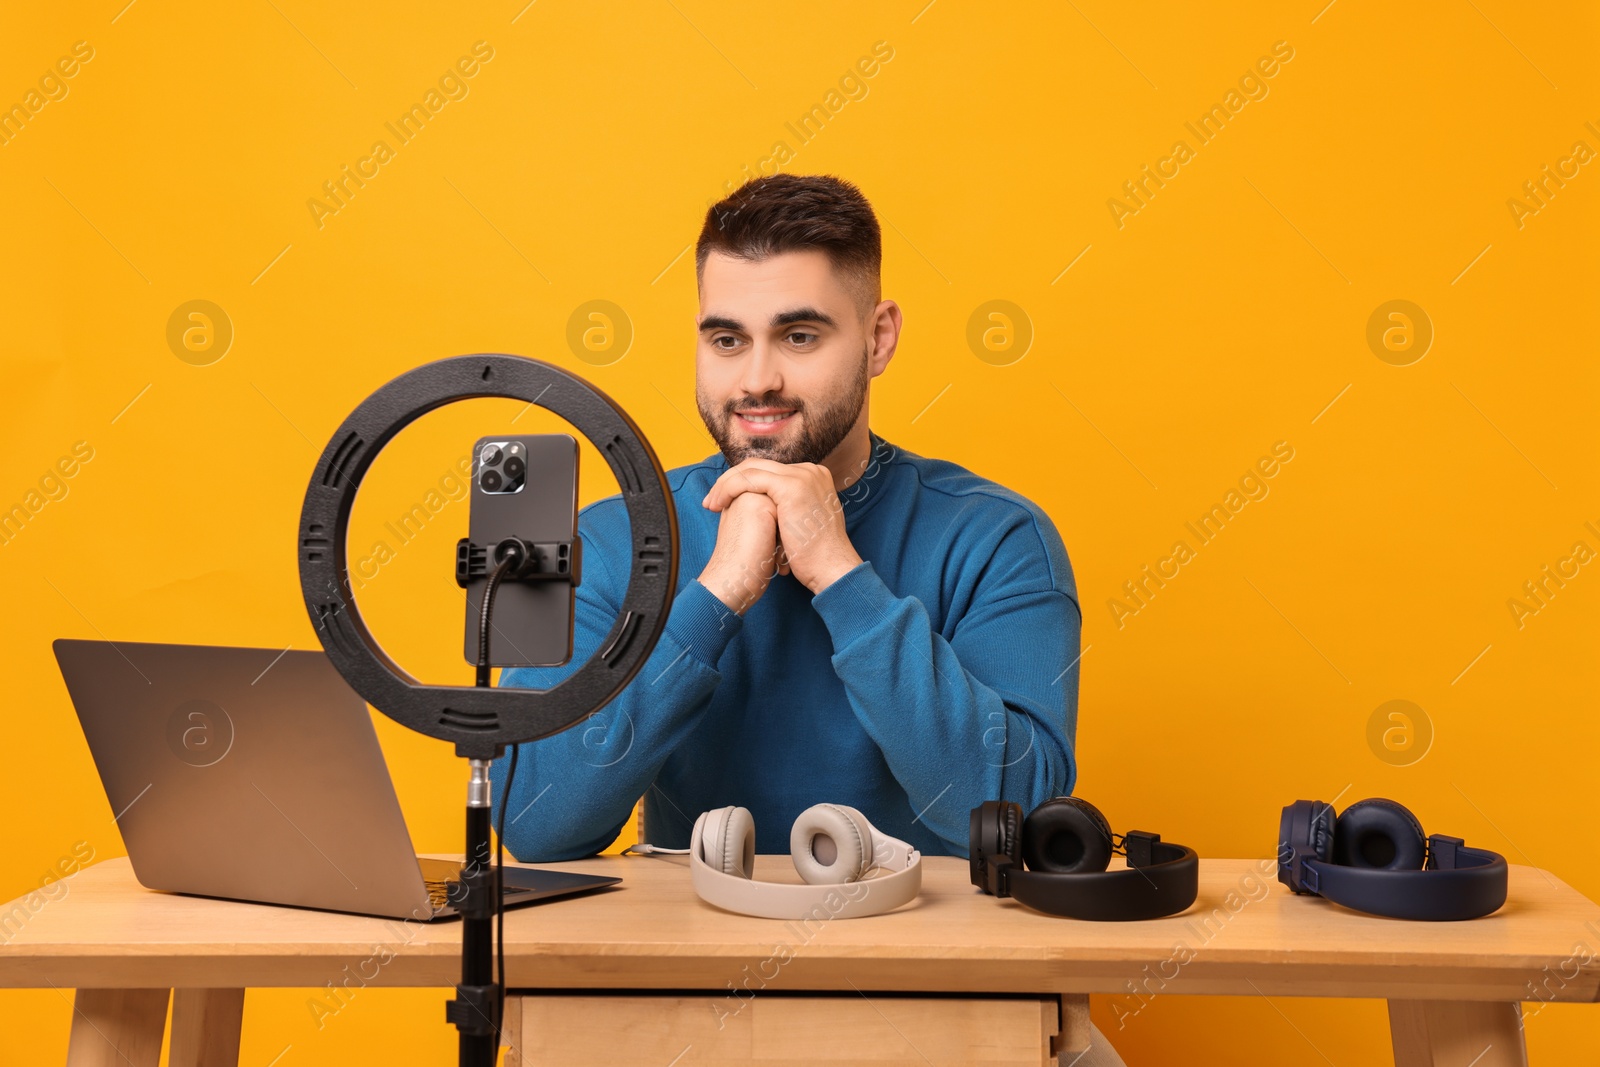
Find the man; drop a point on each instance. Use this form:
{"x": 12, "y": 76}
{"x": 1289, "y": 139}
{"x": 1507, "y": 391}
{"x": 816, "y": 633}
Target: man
{"x": 853, "y": 623}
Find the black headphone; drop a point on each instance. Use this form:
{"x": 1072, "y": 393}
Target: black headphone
{"x": 1375, "y": 858}
{"x": 1067, "y": 845}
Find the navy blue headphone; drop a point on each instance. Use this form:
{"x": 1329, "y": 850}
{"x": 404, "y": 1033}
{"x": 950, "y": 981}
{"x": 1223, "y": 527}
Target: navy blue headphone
{"x": 1375, "y": 858}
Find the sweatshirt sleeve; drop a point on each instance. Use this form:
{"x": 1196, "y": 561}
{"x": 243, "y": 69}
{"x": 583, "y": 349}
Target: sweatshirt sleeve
{"x": 989, "y": 713}
{"x": 575, "y": 790}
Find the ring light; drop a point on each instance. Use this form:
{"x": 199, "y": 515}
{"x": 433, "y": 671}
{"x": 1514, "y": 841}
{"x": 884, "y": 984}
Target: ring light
{"x": 482, "y": 721}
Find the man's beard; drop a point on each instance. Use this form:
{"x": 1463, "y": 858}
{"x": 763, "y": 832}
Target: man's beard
{"x": 822, "y": 427}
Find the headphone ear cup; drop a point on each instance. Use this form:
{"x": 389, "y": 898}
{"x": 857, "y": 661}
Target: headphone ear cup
{"x": 992, "y": 831}
{"x": 1066, "y": 835}
{"x": 728, "y": 841}
{"x": 1011, "y": 832}
{"x": 1322, "y": 831}
{"x": 830, "y": 844}
{"x": 1305, "y": 832}
{"x": 1379, "y": 834}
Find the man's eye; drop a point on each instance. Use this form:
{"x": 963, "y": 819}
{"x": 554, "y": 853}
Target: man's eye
{"x": 716, "y": 342}
{"x": 805, "y": 338}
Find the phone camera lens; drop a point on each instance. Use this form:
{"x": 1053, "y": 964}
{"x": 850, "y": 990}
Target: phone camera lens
{"x": 490, "y": 481}
{"x": 514, "y": 468}
{"x": 491, "y": 455}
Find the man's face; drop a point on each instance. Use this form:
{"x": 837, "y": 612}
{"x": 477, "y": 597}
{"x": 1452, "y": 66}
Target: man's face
{"x": 781, "y": 366}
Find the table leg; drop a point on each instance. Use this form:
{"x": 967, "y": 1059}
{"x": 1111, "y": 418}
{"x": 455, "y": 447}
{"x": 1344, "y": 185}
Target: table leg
{"x": 511, "y": 1031}
{"x": 205, "y": 1027}
{"x": 117, "y": 1027}
{"x": 1455, "y": 1033}
{"x": 1073, "y": 1036}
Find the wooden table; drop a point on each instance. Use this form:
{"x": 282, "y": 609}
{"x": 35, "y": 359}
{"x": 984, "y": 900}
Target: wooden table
{"x": 954, "y": 977}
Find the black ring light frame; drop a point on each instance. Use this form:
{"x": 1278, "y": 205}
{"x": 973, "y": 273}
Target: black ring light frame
{"x": 482, "y": 721}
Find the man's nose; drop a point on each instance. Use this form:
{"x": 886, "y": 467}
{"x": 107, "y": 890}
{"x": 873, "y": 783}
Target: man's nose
{"x": 761, "y": 373}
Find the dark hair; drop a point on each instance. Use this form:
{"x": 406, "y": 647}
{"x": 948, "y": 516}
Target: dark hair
{"x": 790, "y": 213}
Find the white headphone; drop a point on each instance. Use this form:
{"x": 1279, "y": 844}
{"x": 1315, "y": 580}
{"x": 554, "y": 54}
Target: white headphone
{"x": 833, "y": 848}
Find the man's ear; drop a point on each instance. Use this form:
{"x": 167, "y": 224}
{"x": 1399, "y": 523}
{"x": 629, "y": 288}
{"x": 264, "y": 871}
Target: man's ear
{"x": 884, "y": 330}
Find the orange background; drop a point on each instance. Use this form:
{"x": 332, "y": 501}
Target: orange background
{"x": 1165, "y": 356}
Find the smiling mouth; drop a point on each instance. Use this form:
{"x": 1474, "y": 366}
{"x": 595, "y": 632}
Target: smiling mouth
{"x": 764, "y": 422}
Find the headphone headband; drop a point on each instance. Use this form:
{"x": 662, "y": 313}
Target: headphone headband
{"x": 1162, "y": 878}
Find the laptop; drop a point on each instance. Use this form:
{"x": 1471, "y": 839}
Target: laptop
{"x": 255, "y": 774}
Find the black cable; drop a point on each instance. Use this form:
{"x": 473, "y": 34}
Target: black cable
{"x": 489, "y": 589}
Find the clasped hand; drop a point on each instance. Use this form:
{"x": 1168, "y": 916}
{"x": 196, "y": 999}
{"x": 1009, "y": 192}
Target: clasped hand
{"x": 777, "y": 518}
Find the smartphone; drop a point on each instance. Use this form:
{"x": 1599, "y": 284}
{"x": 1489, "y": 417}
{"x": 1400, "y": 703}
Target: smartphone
{"x": 523, "y": 487}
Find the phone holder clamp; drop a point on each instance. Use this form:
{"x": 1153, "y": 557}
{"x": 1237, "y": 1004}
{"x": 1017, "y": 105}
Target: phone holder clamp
{"x": 532, "y": 561}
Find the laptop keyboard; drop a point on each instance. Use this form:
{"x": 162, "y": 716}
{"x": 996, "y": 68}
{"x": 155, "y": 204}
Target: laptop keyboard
{"x": 441, "y": 879}
{"x": 439, "y": 893}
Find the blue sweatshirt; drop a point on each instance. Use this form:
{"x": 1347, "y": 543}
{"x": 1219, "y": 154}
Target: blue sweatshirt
{"x": 939, "y": 673}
